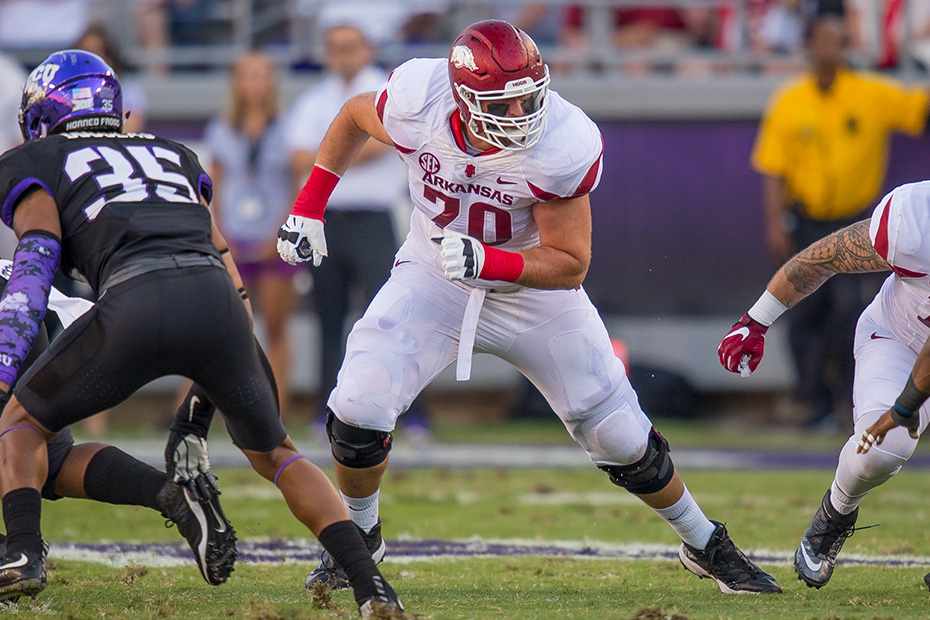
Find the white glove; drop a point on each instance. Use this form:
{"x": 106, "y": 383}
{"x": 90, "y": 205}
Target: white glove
{"x": 187, "y": 458}
{"x": 188, "y": 464}
{"x": 462, "y": 256}
{"x": 300, "y": 239}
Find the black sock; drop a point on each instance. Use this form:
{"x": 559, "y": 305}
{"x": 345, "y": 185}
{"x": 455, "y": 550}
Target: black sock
{"x": 114, "y": 477}
{"x": 22, "y": 514}
{"x": 195, "y": 414}
{"x": 344, "y": 543}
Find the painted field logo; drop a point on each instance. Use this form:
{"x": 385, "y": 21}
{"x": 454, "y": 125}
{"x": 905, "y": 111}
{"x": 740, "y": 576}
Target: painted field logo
{"x": 429, "y": 163}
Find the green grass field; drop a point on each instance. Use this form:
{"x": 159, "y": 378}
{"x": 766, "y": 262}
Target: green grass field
{"x": 766, "y": 512}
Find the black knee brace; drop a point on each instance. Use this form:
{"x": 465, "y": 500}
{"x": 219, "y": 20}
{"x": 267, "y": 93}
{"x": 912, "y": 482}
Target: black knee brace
{"x": 650, "y": 474}
{"x": 355, "y": 447}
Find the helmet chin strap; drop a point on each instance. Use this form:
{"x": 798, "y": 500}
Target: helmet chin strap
{"x": 473, "y": 131}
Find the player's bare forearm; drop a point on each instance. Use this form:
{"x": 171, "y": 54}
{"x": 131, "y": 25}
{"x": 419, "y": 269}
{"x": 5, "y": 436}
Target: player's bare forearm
{"x": 549, "y": 268}
{"x": 561, "y": 261}
{"x": 848, "y": 250}
{"x": 220, "y": 242}
{"x": 921, "y": 370}
{"x": 347, "y": 134}
{"x": 302, "y": 161}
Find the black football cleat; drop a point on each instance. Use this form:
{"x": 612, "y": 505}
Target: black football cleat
{"x": 384, "y": 605}
{"x": 375, "y": 608}
{"x": 815, "y": 557}
{"x": 204, "y": 524}
{"x": 24, "y": 575}
{"x": 721, "y": 561}
{"x": 331, "y": 575}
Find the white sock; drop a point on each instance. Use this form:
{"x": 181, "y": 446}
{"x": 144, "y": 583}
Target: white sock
{"x": 843, "y": 503}
{"x": 688, "y": 521}
{"x": 363, "y": 511}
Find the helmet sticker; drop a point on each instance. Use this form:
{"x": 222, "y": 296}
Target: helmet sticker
{"x": 463, "y": 57}
{"x": 44, "y": 74}
{"x": 82, "y": 98}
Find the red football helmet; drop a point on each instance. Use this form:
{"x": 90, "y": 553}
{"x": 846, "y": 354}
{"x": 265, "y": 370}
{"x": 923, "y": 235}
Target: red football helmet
{"x": 492, "y": 63}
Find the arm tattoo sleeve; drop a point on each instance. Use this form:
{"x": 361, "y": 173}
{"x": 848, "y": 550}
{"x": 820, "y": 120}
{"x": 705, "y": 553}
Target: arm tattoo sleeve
{"x": 848, "y": 250}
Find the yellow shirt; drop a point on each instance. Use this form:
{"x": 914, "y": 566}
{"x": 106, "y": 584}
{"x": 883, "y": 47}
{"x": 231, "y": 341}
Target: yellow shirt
{"x": 832, "y": 147}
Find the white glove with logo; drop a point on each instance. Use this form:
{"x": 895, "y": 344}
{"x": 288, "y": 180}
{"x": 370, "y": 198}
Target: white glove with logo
{"x": 187, "y": 457}
{"x": 462, "y": 256}
{"x": 300, "y": 239}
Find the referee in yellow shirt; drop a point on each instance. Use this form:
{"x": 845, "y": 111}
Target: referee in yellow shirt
{"x": 822, "y": 149}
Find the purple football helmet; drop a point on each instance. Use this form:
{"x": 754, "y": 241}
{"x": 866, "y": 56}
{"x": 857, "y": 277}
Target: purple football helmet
{"x": 72, "y": 90}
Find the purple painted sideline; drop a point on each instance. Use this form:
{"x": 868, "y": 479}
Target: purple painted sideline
{"x": 304, "y": 551}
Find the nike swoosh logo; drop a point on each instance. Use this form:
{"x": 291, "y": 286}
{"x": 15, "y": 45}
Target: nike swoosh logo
{"x": 742, "y": 332}
{"x": 875, "y": 336}
{"x": 219, "y": 519}
{"x": 503, "y": 182}
{"x": 194, "y": 402}
{"x": 201, "y": 517}
{"x": 400, "y": 262}
{"x": 22, "y": 561}
{"x": 811, "y": 564}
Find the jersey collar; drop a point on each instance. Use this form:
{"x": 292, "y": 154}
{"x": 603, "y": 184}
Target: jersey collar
{"x": 458, "y": 134}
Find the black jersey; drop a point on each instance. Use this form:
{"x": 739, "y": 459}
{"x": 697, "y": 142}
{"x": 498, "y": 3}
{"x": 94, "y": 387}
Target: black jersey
{"x": 120, "y": 197}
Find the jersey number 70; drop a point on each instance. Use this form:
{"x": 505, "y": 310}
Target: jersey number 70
{"x": 489, "y": 224}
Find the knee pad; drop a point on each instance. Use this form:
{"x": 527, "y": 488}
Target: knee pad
{"x": 354, "y": 447}
{"x": 877, "y": 466}
{"x": 650, "y": 474}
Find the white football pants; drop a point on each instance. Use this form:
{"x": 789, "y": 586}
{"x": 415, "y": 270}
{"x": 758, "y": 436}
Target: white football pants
{"x": 411, "y": 332}
{"x": 883, "y": 365}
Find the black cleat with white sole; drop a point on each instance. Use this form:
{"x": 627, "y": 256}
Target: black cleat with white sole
{"x": 23, "y": 575}
{"x": 384, "y": 605}
{"x": 721, "y": 561}
{"x": 815, "y": 557}
{"x": 333, "y": 576}
{"x": 204, "y": 524}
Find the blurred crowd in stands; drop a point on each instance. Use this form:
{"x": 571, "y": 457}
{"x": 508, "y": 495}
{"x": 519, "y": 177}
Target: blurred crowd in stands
{"x": 691, "y": 37}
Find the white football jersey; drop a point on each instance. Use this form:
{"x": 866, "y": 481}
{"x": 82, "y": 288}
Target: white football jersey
{"x": 487, "y": 195}
{"x": 900, "y": 233}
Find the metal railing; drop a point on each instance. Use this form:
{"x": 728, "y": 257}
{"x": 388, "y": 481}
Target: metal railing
{"x": 289, "y": 31}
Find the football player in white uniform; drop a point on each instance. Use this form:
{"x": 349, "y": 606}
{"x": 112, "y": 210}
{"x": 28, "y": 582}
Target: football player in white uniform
{"x": 892, "y": 352}
{"x": 500, "y": 168}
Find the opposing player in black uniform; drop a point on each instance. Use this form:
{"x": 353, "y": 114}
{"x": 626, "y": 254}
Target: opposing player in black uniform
{"x": 128, "y": 212}
{"x": 187, "y": 494}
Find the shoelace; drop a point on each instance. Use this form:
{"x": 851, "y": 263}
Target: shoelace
{"x": 732, "y": 556}
{"x": 836, "y": 532}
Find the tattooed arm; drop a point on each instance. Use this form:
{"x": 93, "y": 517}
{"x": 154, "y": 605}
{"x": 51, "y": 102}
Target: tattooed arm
{"x": 848, "y": 250}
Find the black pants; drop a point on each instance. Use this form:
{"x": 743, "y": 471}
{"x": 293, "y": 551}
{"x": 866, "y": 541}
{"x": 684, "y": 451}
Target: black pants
{"x": 821, "y": 329}
{"x": 188, "y": 322}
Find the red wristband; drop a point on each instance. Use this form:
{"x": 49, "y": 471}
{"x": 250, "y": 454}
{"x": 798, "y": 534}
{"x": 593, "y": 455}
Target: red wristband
{"x": 501, "y": 265}
{"x": 312, "y": 199}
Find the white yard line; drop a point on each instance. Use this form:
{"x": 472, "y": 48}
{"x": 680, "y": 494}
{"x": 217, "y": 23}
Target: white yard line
{"x": 408, "y": 551}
